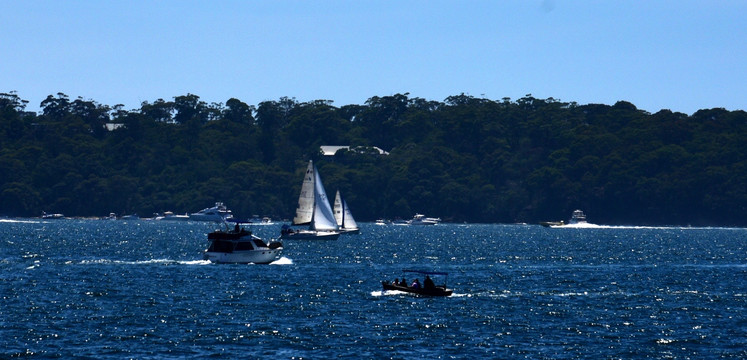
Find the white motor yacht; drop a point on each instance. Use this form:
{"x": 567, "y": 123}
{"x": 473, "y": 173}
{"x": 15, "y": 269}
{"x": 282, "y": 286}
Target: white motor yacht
{"x": 217, "y": 213}
{"x": 240, "y": 246}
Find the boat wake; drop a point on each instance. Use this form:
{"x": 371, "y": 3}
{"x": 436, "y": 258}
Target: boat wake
{"x": 282, "y": 261}
{"x": 20, "y": 221}
{"x": 146, "y": 262}
{"x": 595, "y": 226}
{"x": 578, "y": 226}
{"x": 388, "y": 293}
{"x": 400, "y": 293}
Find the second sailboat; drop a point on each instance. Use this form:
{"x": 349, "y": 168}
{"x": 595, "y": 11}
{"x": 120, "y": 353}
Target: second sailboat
{"x": 313, "y": 210}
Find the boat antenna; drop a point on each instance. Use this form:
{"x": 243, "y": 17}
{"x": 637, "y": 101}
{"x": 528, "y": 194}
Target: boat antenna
{"x": 225, "y": 223}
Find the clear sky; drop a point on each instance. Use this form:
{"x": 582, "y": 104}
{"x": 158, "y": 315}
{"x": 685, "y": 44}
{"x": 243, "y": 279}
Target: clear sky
{"x": 682, "y": 55}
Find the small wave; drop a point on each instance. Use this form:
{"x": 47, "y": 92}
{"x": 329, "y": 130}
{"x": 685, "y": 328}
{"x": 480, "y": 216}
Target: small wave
{"x": 282, "y": 261}
{"x": 597, "y": 226}
{"x": 584, "y": 293}
{"x": 712, "y": 266}
{"x": 19, "y": 221}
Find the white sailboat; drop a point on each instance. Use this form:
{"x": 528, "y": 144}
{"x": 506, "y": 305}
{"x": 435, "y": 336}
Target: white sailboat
{"x": 314, "y": 210}
{"x": 344, "y": 217}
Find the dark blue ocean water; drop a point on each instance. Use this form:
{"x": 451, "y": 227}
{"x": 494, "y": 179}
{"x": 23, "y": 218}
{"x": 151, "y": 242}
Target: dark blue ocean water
{"x": 139, "y": 289}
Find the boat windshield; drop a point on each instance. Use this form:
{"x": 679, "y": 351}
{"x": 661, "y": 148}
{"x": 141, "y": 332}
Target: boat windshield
{"x": 221, "y": 246}
{"x": 430, "y": 273}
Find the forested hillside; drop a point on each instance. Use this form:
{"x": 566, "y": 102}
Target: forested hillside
{"x": 463, "y": 159}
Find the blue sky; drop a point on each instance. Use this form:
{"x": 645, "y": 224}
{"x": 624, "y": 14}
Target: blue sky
{"x": 680, "y": 55}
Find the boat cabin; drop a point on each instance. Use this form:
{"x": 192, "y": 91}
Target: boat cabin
{"x": 229, "y": 246}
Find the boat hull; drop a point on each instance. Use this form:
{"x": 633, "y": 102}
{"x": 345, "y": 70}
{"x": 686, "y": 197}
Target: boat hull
{"x": 209, "y": 217}
{"x": 435, "y": 291}
{"x": 310, "y": 235}
{"x": 420, "y": 219}
{"x": 173, "y": 218}
{"x": 423, "y": 223}
{"x": 243, "y": 257}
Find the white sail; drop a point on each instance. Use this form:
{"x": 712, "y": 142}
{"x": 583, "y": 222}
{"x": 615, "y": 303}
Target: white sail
{"x": 305, "y": 210}
{"x": 339, "y": 215}
{"x": 343, "y": 215}
{"x": 349, "y": 220}
{"x": 323, "y": 217}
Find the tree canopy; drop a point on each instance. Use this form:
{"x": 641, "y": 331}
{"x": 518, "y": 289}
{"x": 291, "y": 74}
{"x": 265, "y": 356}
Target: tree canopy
{"x": 463, "y": 159}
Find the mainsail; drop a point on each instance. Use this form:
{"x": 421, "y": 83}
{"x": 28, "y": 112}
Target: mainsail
{"x": 322, "y": 218}
{"x": 305, "y": 210}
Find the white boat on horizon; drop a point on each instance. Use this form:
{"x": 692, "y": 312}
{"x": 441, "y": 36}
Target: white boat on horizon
{"x": 344, "y": 217}
{"x": 578, "y": 220}
{"x": 256, "y": 220}
{"x": 400, "y": 222}
{"x": 170, "y": 216}
{"x": 420, "y": 219}
{"x": 313, "y": 210}
{"x": 217, "y": 213}
{"x": 57, "y": 216}
{"x": 578, "y": 217}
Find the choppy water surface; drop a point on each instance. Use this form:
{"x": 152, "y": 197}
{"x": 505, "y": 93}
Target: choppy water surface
{"x": 139, "y": 289}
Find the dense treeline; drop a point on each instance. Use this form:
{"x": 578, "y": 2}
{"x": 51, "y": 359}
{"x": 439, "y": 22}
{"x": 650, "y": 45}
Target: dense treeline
{"x": 463, "y": 159}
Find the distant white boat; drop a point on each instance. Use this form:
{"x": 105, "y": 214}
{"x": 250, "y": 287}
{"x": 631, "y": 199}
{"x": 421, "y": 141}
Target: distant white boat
{"x": 578, "y": 217}
{"x": 578, "y": 220}
{"x": 170, "y": 216}
{"x": 217, "y": 213}
{"x": 313, "y": 210}
{"x": 52, "y": 216}
{"x": 344, "y": 217}
{"x": 256, "y": 220}
{"x": 400, "y": 222}
{"x": 380, "y": 222}
{"x": 420, "y": 219}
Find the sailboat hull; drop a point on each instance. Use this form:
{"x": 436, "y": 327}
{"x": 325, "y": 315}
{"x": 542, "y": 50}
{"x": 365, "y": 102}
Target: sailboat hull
{"x": 310, "y": 235}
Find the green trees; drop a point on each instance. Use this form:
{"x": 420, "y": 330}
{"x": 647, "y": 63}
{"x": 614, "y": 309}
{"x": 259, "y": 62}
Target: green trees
{"x": 463, "y": 159}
